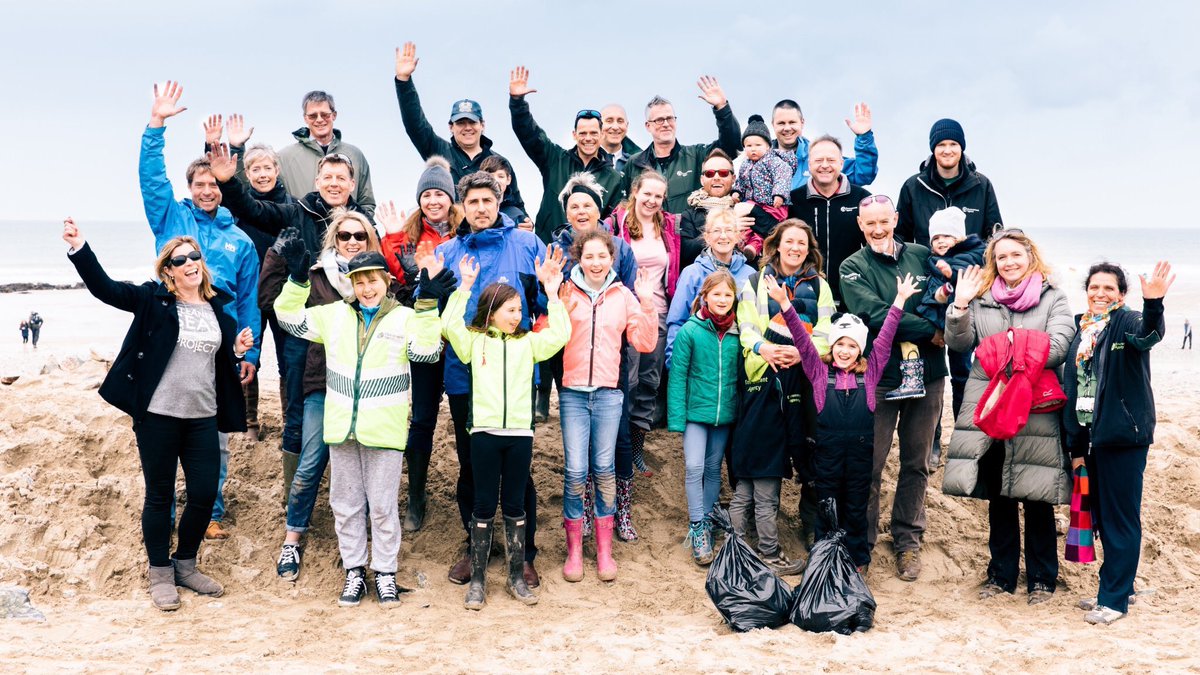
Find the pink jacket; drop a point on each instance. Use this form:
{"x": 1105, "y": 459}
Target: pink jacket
{"x": 616, "y": 225}
{"x": 592, "y": 357}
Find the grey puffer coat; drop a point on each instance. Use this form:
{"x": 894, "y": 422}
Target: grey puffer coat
{"x": 1035, "y": 467}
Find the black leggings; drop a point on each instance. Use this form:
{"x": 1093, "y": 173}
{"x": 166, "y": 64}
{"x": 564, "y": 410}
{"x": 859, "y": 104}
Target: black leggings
{"x": 164, "y": 442}
{"x": 500, "y": 465}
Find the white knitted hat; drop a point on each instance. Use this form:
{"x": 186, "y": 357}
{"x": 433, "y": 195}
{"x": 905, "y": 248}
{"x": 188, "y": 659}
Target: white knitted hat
{"x": 849, "y": 325}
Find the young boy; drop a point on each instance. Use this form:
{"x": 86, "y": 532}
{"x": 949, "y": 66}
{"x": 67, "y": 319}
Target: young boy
{"x": 368, "y": 346}
{"x": 502, "y": 171}
{"x": 951, "y": 252}
{"x": 764, "y": 181}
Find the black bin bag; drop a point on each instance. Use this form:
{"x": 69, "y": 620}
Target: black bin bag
{"x": 745, "y": 591}
{"x": 832, "y": 596}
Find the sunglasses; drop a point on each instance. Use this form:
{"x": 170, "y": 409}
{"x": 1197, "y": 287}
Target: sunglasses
{"x": 313, "y": 117}
{"x": 357, "y": 236}
{"x": 181, "y": 260}
{"x": 875, "y": 199}
{"x": 587, "y": 115}
{"x": 337, "y": 157}
{"x": 709, "y": 173}
{"x": 1003, "y": 232}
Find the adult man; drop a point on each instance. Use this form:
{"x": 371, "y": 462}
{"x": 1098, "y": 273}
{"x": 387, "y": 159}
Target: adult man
{"x": 828, "y": 202}
{"x": 680, "y": 164}
{"x": 505, "y": 254}
{"x": 788, "y": 122}
{"x": 318, "y": 138}
{"x": 556, "y": 163}
{"x": 868, "y": 288}
{"x": 947, "y": 178}
{"x": 614, "y": 125}
{"x": 467, "y": 147}
{"x": 227, "y": 250}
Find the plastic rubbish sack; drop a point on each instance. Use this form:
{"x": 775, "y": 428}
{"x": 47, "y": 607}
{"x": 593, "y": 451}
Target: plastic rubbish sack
{"x": 746, "y": 592}
{"x": 832, "y": 596}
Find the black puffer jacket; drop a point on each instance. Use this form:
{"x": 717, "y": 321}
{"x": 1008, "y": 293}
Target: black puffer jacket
{"x": 835, "y": 222}
{"x": 925, "y": 193}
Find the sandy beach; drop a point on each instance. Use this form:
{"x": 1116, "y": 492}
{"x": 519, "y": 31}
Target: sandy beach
{"x": 70, "y": 500}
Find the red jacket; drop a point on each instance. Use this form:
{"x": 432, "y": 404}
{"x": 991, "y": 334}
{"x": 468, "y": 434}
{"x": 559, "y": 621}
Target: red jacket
{"x": 1015, "y": 360}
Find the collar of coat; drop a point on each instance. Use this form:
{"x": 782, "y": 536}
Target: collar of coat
{"x": 304, "y": 136}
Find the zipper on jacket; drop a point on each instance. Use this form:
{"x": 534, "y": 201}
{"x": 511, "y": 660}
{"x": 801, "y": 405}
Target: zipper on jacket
{"x": 357, "y": 379}
{"x": 720, "y": 379}
{"x": 504, "y": 379}
{"x": 592, "y": 348}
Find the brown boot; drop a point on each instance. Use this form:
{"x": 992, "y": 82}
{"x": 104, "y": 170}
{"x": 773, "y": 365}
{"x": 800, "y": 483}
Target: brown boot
{"x": 532, "y": 579}
{"x": 460, "y": 573}
{"x": 215, "y": 531}
{"x": 908, "y": 565}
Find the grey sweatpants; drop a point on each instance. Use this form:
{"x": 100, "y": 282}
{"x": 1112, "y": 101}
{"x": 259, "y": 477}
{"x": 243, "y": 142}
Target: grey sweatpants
{"x": 360, "y": 477}
{"x": 764, "y": 494}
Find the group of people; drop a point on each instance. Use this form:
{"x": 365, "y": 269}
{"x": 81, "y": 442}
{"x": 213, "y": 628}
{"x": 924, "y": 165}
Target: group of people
{"x": 31, "y": 328}
{"x": 786, "y": 321}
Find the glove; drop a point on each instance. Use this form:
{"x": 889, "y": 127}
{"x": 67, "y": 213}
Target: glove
{"x": 298, "y": 259}
{"x": 407, "y": 257}
{"x": 439, "y": 287}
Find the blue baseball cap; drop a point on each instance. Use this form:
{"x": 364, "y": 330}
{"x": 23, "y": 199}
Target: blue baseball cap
{"x": 466, "y": 109}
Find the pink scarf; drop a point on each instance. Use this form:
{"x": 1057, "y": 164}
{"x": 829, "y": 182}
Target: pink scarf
{"x": 1025, "y": 296}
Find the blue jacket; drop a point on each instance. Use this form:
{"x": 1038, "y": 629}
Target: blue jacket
{"x": 690, "y": 280}
{"x": 625, "y": 265}
{"x": 228, "y": 252}
{"x": 504, "y": 253}
{"x": 861, "y": 169}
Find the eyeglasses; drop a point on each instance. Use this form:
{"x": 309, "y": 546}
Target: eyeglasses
{"x": 663, "y": 121}
{"x": 357, "y": 236}
{"x": 314, "y": 116}
{"x": 875, "y": 199}
{"x": 181, "y": 260}
{"x": 709, "y": 173}
{"x": 587, "y": 115}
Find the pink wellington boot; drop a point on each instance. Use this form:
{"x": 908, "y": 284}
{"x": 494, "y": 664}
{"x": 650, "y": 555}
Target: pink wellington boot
{"x": 573, "y": 567}
{"x": 606, "y": 567}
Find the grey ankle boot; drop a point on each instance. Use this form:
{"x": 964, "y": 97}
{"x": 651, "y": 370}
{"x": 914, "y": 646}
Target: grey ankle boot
{"x": 514, "y": 539}
{"x": 187, "y": 576}
{"x": 163, "y": 593}
{"x": 481, "y": 548}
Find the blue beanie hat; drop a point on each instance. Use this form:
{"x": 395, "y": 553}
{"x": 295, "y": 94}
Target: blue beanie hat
{"x": 947, "y": 130}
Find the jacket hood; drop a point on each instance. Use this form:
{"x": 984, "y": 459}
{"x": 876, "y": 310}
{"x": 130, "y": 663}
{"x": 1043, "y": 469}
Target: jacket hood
{"x": 578, "y": 279}
{"x": 314, "y": 204}
{"x": 223, "y": 218}
{"x": 303, "y": 135}
{"x": 629, "y": 147}
{"x": 493, "y": 236}
{"x": 706, "y": 263}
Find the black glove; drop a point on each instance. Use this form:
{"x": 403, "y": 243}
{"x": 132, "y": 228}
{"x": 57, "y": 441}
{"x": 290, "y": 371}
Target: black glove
{"x": 407, "y": 257}
{"x": 439, "y": 287}
{"x": 297, "y": 257}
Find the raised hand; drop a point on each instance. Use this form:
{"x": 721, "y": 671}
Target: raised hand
{"x": 1155, "y": 285}
{"x": 970, "y": 282}
{"x": 644, "y": 286}
{"x": 550, "y": 271}
{"x": 518, "y": 82}
{"x": 468, "y": 270}
{"x": 905, "y": 289}
{"x": 221, "y": 162}
{"x": 212, "y": 130}
{"x": 713, "y": 94}
{"x": 295, "y": 254}
{"x": 166, "y": 103}
{"x": 245, "y": 341}
{"x": 568, "y": 298}
{"x": 861, "y": 123}
{"x": 71, "y": 234}
{"x": 406, "y": 61}
{"x": 944, "y": 268}
{"x": 775, "y": 291}
{"x": 391, "y": 218}
{"x": 238, "y": 133}
{"x": 427, "y": 260}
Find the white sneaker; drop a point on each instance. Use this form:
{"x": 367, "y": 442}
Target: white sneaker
{"x": 1088, "y": 604}
{"x": 1103, "y": 615}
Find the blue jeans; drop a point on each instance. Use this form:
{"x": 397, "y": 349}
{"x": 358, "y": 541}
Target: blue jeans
{"x": 589, "y": 426}
{"x": 314, "y": 457}
{"x": 218, "y": 510}
{"x": 292, "y": 358}
{"x": 703, "y": 452}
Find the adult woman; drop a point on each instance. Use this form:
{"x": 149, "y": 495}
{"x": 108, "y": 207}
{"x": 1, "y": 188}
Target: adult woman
{"x": 1109, "y": 419}
{"x": 602, "y": 310}
{"x": 716, "y": 183}
{"x": 651, "y": 233}
{"x": 792, "y": 256}
{"x": 434, "y": 222}
{"x": 176, "y": 376}
{"x": 1012, "y": 290}
{"x": 349, "y": 234}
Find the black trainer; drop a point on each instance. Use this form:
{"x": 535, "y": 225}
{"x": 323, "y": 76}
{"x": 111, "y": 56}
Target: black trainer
{"x": 355, "y": 587}
{"x": 385, "y": 590}
{"x": 288, "y": 567}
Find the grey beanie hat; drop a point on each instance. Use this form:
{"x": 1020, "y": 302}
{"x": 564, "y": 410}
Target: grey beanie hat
{"x": 436, "y": 177}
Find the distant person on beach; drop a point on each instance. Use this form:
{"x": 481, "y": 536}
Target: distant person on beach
{"x": 1109, "y": 419}
{"x": 1187, "y": 334}
{"x": 300, "y": 161}
{"x": 229, "y": 253}
{"x": 787, "y": 120}
{"x": 177, "y": 377}
{"x": 35, "y": 327}
{"x": 24, "y": 331}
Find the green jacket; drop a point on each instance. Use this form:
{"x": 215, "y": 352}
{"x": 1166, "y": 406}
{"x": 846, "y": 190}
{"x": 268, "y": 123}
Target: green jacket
{"x": 502, "y": 365}
{"x": 703, "y": 387}
{"x": 682, "y": 167}
{"x": 557, "y": 165}
{"x": 298, "y": 167}
{"x": 868, "y": 282}
{"x": 367, "y": 374}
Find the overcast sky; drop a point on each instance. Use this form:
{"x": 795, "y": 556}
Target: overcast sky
{"x": 1081, "y": 113}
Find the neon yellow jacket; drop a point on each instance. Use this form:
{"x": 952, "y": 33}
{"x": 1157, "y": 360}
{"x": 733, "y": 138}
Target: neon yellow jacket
{"x": 502, "y": 365}
{"x": 367, "y": 383}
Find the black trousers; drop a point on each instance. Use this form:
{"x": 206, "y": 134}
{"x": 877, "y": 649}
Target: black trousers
{"x": 843, "y": 472}
{"x": 1004, "y": 531}
{"x": 1116, "y": 476}
{"x": 460, "y": 412}
{"x": 500, "y": 465}
{"x": 163, "y": 442}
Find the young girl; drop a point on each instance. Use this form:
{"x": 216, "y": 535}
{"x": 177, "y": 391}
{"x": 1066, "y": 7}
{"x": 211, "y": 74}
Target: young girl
{"x": 702, "y": 399}
{"x": 368, "y": 346}
{"x": 502, "y": 356}
{"x": 844, "y": 394}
